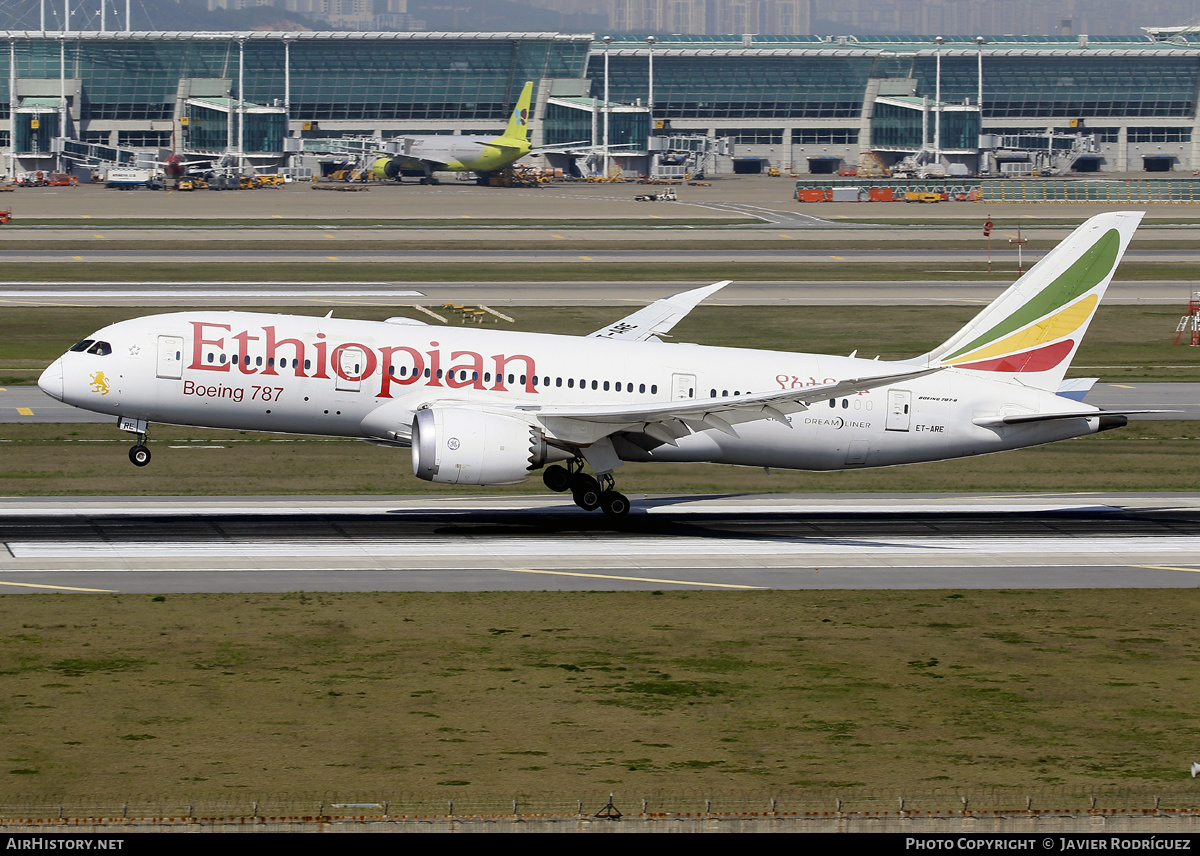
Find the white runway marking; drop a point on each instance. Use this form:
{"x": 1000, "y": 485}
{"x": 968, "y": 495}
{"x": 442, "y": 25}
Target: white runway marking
{"x": 625, "y": 548}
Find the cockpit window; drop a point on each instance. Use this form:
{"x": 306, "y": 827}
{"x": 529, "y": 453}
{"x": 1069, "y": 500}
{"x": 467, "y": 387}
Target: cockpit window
{"x": 82, "y": 346}
{"x": 101, "y": 349}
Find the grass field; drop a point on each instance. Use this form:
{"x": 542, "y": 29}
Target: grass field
{"x": 411, "y": 242}
{"x": 90, "y": 459}
{"x": 565, "y": 271}
{"x": 565, "y": 696}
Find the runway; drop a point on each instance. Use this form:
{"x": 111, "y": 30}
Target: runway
{"x": 240, "y": 544}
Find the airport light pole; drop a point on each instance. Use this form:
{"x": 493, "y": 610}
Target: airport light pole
{"x": 937, "y": 97}
{"x": 287, "y": 76}
{"x": 12, "y": 107}
{"x": 62, "y": 98}
{"x": 980, "y": 41}
{"x": 607, "y": 41}
{"x": 650, "y": 40}
{"x": 241, "y": 147}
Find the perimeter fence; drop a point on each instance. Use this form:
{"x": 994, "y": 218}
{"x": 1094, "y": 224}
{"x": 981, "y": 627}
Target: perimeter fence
{"x": 1043, "y": 801}
{"x": 1127, "y": 191}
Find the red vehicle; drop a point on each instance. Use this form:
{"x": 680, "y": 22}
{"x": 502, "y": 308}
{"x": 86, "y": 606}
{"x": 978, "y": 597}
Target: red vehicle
{"x": 5, "y": 216}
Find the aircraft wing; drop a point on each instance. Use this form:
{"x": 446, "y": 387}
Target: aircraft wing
{"x": 660, "y": 316}
{"x": 663, "y": 420}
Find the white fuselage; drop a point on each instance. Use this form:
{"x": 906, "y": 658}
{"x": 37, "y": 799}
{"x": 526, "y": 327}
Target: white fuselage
{"x": 367, "y": 379}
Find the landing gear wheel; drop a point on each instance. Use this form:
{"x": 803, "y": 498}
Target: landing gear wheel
{"x": 556, "y": 478}
{"x": 585, "y": 490}
{"x": 614, "y": 504}
{"x": 139, "y": 455}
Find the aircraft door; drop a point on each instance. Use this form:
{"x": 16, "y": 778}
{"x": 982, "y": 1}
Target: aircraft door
{"x": 350, "y": 368}
{"x": 899, "y": 415}
{"x": 683, "y": 387}
{"x": 170, "y": 357}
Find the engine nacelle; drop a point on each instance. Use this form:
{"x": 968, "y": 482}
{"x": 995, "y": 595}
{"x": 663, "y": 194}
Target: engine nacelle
{"x": 386, "y": 168}
{"x": 454, "y": 445}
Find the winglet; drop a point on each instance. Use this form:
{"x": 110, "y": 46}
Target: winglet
{"x": 518, "y": 124}
{"x": 660, "y": 316}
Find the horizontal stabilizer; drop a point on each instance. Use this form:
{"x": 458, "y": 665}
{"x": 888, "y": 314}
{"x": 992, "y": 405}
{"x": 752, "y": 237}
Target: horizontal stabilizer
{"x": 1077, "y": 388}
{"x": 1026, "y": 418}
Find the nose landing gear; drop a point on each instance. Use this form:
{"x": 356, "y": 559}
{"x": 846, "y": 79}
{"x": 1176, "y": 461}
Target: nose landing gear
{"x": 139, "y": 455}
{"x": 589, "y": 493}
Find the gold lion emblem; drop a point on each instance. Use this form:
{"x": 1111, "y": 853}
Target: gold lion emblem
{"x": 100, "y": 383}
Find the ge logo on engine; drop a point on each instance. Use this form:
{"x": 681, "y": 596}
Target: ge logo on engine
{"x": 452, "y": 444}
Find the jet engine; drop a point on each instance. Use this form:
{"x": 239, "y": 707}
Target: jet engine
{"x": 386, "y": 168}
{"x": 454, "y": 445}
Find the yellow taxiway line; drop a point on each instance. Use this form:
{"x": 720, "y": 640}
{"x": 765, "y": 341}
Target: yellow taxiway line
{"x": 631, "y": 579}
{"x": 58, "y": 588}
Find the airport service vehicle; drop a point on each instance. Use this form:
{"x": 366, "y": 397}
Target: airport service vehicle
{"x": 486, "y": 407}
{"x": 125, "y": 178}
{"x": 423, "y": 155}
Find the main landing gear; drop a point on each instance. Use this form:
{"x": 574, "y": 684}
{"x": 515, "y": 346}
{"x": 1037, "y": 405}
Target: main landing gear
{"x": 589, "y": 493}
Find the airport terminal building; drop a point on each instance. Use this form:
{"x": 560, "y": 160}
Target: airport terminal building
{"x": 805, "y": 103}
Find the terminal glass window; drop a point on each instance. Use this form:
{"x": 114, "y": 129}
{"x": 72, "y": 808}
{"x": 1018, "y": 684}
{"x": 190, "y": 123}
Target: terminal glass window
{"x": 1067, "y": 86}
{"x": 824, "y": 136}
{"x": 960, "y": 129}
{"x": 141, "y": 139}
{"x": 566, "y": 125}
{"x": 753, "y": 136}
{"x": 207, "y": 129}
{"x": 1160, "y": 135}
{"x": 893, "y": 126}
{"x": 35, "y": 131}
{"x": 263, "y": 132}
{"x": 737, "y": 86}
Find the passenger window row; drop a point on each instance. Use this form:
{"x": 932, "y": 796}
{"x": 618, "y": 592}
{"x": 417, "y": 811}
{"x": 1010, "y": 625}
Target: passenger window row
{"x": 463, "y": 375}
{"x": 537, "y": 380}
{"x": 258, "y": 361}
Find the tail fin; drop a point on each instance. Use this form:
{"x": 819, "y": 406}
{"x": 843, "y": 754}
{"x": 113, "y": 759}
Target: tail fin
{"x": 518, "y": 124}
{"x": 1034, "y": 328}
